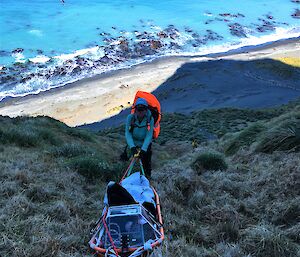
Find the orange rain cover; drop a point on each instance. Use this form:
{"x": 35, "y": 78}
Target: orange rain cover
{"x": 154, "y": 103}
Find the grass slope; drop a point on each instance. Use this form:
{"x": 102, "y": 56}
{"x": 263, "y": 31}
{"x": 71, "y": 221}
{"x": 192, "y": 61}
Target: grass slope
{"x": 53, "y": 179}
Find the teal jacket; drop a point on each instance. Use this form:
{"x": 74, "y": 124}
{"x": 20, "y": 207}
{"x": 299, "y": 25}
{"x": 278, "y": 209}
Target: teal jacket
{"x": 140, "y": 135}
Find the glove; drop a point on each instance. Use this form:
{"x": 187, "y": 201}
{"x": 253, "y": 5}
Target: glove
{"x": 142, "y": 153}
{"x": 133, "y": 151}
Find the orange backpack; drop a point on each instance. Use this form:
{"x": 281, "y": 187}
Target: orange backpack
{"x": 153, "y": 106}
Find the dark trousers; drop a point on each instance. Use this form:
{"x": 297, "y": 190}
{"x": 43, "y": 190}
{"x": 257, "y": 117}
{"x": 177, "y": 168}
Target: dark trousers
{"x": 146, "y": 161}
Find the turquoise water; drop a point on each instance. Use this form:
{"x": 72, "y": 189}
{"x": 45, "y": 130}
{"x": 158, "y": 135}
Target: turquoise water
{"x": 46, "y": 44}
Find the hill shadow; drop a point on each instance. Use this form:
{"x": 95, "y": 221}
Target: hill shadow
{"x": 221, "y": 83}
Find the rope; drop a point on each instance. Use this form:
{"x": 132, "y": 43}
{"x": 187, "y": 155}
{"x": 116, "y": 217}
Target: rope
{"x": 108, "y": 233}
{"x": 134, "y": 159}
{"x": 125, "y": 174}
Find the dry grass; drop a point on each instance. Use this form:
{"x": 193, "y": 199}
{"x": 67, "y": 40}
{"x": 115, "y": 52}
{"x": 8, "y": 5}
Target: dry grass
{"x": 292, "y": 61}
{"x": 210, "y": 217}
{"x": 47, "y": 207}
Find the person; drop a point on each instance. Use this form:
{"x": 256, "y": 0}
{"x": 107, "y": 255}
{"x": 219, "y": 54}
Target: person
{"x": 139, "y": 132}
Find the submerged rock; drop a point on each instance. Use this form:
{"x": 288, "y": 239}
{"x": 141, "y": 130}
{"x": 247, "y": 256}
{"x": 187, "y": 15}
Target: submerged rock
{"x": 237, "y": 29}
{"x": 296, "y": 14}
{"x": 18, "y": 50}
{"x": 188, "y": 30}
{"x": 270, "y": 17}
{"x": 232, "y": 15}
{"x": 209, "y": 21}
{"x": 7, "y": 78}
{"x": 4, "y": 53}
{"x": 172, "y": 32}
{"x": 266, "y": 26}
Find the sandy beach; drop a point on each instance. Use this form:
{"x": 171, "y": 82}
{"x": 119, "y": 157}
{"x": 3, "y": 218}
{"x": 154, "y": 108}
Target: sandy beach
{"x": 182, "y": 84}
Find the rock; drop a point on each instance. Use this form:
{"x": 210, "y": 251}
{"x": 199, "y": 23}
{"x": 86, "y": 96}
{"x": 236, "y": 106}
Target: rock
{"x": 106, "y": 60}
{"x": 108, "y": 40}
{"x": 237, "y": 29}
{"x": 172, "y": 32}
{"x": 270, "y": 17}
{"x": 188, "y": 30}
{"x": 266, "y": 26}
{"x": 104, "y": 34}
{"x": 155, "y": 44}
{"x": 4, "y": 53}
{"x": 6, "y": 78}
{"x": 209, "y": 21}
{"x": 39, "y": 51}
{"x": 174, "y": 45}
{"x": 296, "y": 14}
{"x": 81, "y": 61}
{"x": 18, "y": 50}
{"x": 143, "y": 48}
{"x": 77, "y": 69}
{"x": 162, "y": 34}
{"x": 24, "y": 79}
{"x": 225, "y": 14}
{"x": 211, "y": 35}
{"x": 195, "y": 35}
{"x": 124, "y": 45}
{"x": 232, "y": 15}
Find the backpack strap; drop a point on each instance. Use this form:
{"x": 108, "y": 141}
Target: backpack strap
{"x": 133, "y": 120}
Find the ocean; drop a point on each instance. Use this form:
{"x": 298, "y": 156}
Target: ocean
{"x": 46, "y": 44}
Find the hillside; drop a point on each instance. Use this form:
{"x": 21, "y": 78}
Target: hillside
{"x": 229, "y": 182}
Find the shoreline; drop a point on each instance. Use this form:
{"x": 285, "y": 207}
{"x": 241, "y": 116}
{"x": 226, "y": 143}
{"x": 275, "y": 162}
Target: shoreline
{"x": 239, "y": 50}
{"x": 102, "y": 96}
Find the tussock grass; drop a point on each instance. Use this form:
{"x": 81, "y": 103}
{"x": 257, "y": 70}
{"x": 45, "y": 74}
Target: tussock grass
{"x": 289, "y": 215}
{"x": 279, "y": 134}
{"x": 227, "y": 231}
{"x": 264, "y": 240}
{"x": 281, "y": 137}
{"x": 209, "y": 161}
{"x": 244, "y": 138}
{"x": 71, "y": 150}
{"x": 92, "y": 168}
{"x": 59, "y": 211}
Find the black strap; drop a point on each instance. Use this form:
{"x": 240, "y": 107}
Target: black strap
{"x": 134, "y": 125}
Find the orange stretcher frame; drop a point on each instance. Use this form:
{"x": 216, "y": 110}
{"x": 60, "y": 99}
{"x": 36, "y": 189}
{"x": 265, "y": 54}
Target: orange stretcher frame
{"x": 101, "y": 251}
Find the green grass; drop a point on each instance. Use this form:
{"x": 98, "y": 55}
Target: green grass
{"x": 209, "y": 161}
